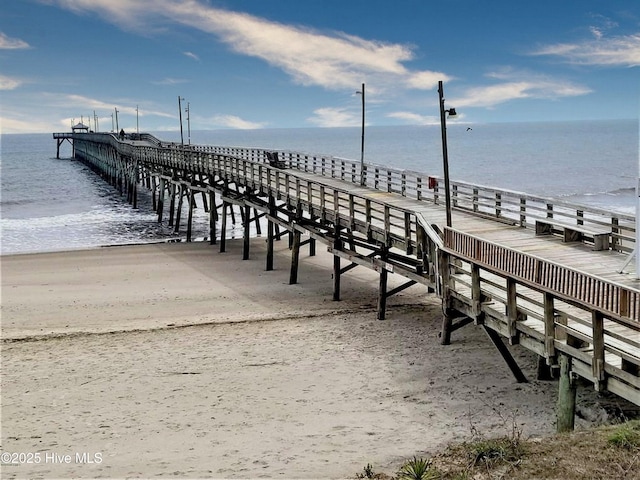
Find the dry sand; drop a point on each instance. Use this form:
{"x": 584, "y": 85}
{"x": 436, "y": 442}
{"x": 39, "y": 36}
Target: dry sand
{"x": 175, "y": 360}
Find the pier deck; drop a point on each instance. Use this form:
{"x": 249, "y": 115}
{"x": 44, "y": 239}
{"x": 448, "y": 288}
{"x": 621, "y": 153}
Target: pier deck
{"x": 532, "y": 271}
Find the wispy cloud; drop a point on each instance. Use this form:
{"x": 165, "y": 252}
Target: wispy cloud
{"x": 81, "y": 103}
{"x": 335, "y": 117}
{"x": 232, "y": 121}
{"x": 616, "y": 51}
{"x": 517, "y": 85}
{"x": 9, "y": 83}
{"x": 170, "y": 81}
{"x": 415, "y": 118}
{"x": 332, "y": 60}
{"x": 8, "y": 43}
{"x": 192, "y": 55}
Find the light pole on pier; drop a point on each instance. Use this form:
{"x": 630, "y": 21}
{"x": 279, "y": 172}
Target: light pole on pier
{"x": 180, "y": 114}
{"x": 117, "y": 126}
{"x": 188, "y": 121}
{"x": 137, "y": 121}
{"x": 362, "y": 177}
{"x": 445, "y": 155}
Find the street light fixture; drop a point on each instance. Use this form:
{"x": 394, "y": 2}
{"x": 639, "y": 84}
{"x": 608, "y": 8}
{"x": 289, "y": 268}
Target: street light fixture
{"x": 362, "y": 177}
{"x": 445, "y": 156}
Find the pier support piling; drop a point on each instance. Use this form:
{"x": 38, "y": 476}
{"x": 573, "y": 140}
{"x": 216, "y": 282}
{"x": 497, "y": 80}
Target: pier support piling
{"x": 566, "y": 408}
{"x": 246, "y": 237}
{"x": 295, "y": 257}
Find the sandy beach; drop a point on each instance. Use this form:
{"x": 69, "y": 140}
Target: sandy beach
{"x": 174, "y": 360}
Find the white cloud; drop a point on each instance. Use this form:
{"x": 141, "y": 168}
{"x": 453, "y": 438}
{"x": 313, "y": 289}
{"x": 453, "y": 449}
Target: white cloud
{"x": 233, "y": 121}
{"x": 9, "y": 83}
{"x": 517, "y": 85}
{"x": 81, "y": 103}
{"x": 8, "y": 43}
{"x": 415, "y": 119}
{"x": 330, "y": 60}
{"x": 192, "y": 55}
{"x": 426, "y": 80}
{"x": 619, "y": 51}
{"x": 335, "y": 117}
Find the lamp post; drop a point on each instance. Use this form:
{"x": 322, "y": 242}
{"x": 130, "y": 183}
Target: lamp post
{"x": 188, "y": 121}
{"x": 137, "y": 121}
{"x": 117, "y": 126}
{"x": 180, "y": 113}
{"x": 362, "y": 177}
{"x": 445, "y": 156}
{"x": 637, "y": 248}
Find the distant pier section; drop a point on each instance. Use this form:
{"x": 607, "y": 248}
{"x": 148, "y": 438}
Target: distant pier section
{"x": 530, "y": 271}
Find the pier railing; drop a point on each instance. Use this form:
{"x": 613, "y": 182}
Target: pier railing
{"x": 504, "y": 205}
{"x": 549, "y": 308}
{"x": 508, "y": 206}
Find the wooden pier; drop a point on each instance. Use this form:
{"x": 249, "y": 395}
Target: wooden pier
{"x": 531, "y": 271}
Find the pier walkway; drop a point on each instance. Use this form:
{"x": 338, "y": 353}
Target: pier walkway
{"x": 532, "y": 271}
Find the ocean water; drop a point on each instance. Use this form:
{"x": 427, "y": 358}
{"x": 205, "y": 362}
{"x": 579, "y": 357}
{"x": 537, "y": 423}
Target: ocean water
{"x": 49, "y": 204}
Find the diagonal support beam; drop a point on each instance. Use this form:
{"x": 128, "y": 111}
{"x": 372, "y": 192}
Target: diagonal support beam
{"x": 506, "y": 354}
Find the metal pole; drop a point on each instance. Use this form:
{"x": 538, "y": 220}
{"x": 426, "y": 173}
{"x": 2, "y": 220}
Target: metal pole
{"x": 189, "y": 122}
{"x": 637, "y": 250}
{"x": 362, "y": 178}
{"x": 180, "y": 113}
{"x": 137, "y": 121}
{"x": 445, "y": 155}
{"x": 117, "y": 126}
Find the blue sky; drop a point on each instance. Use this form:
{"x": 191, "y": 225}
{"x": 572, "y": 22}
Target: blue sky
{"x": 299, "y": 63}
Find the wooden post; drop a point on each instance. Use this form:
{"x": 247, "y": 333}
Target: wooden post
{"x": 190, "y": 217}
{"x": 223, "y": 232}
{"x": 134, "y": 194}
{"x": 476, "y": 294}
{"x": 179, "y": 208}
{"x": 382, "y": 290}
{"x": 257, "y": 220}
{"x": 447, "y": 319}
{"x": 295, "y": 257}
{"x": 172, "y": 203}
{"x": 213, "y": 213}
{"x": 161, "y": 199}
{"x": 246, "y": 233}
{"x": 270, "y": 233}
{"x": 566, "y": 408}
{"x": 154, "y": 204}
{"x": 597, "y": 363}
{"x": 544, "y": 363}
{"x": 512, "y": 310}
{"x": 337, "y": 245}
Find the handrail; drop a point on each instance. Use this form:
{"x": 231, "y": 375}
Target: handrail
{"x": 570, "y": 283}
{"x": 506, "y": 205}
